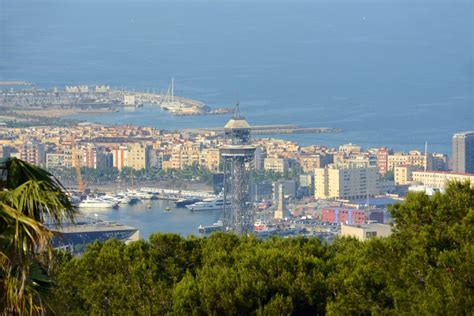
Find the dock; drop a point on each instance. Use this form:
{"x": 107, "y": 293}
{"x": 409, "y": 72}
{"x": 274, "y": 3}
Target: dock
{"x": 273, "y": 129}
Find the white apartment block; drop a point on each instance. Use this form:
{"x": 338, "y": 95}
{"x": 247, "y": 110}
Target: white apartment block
{"x": 439, "y": 179}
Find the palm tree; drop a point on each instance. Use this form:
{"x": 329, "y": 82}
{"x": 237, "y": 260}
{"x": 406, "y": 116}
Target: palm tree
{"x": 29, "y": 197}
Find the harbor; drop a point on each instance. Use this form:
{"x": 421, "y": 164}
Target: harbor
{"x": 190, "y": 212}
{"x": 151, "y": 216}
{"x": 28, "y": 99}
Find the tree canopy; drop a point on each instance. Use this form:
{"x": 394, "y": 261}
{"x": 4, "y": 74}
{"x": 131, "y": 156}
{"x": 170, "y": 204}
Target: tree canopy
{"x": 425, "y": 267}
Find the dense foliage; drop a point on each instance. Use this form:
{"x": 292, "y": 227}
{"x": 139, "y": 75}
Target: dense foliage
{"x": 425, "y": 267}
{"x": 28, "y": 196}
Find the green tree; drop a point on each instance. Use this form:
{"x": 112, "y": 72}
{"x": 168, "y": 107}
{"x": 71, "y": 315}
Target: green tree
{"x": 425, "y": 267}
{"x": 29, "y": 197}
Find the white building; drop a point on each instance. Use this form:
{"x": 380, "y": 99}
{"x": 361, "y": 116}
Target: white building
{"x": 439, "y": 179}
{"x": 129, "y": 100}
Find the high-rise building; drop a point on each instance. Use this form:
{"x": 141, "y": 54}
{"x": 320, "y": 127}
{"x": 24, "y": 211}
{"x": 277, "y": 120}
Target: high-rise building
{"x": 463, "y": 152}
{"x": 237, "y": 155}
{"x": 259, "y": 159}
{"x": 33, "y": 153}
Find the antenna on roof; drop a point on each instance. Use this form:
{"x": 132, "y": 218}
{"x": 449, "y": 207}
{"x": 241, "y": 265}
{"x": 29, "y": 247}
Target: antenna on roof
{"x": 237, "y": 110}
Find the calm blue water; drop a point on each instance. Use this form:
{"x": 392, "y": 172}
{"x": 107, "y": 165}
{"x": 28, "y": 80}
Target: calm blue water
{"x": 394, "y": 73}
{"x": 156, "y": 219}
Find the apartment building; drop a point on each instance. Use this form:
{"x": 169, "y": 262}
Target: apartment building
{"x": 276, "y": 164}
{"x": 403, "y": 175}
{"x": 346, "y": 181}
{"x": 382, "y": 160}
{"x": 414, "y": 158}
{"x": 310, "y": 162}
{"x": 210, "y": 159}
{"x": 33, "y": 153}
{"x": 137, "y": 156}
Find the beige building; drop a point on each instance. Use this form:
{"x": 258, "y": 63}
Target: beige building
{"x": 350, "y": 148}
{"x": 439, "y": 179}
{"x": 404, "y": 174}
{"x": 310, "y": 162}
{"x": 137, "y": 156}
{"x": 414, "y": 158}
{"x": 185, "y": 155}
{"x": 280, "y": 165}
{"x": 366, "y": 231}
{"x": 211, "y": 159}
{"x": 346, "y": 181}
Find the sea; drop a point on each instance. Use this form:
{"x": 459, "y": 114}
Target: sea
{"x": 392, "y": 73}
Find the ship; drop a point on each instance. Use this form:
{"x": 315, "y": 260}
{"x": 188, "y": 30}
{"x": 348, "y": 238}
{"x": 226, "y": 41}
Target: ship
{"x": 170, "y": 103}
{"x": 186, "y": 201}
{"x": 217, "y": 226}
{"x": 262, "y": 229}
{"x": 97, "y": 203}
{"x": 208, "y": 204}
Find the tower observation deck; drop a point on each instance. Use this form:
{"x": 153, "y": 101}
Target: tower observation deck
{"x": 237, "y": 154}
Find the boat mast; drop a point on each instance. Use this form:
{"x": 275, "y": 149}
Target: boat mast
{"x": 172, "y": 90}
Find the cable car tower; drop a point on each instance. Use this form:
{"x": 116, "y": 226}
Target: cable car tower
{"x": 237, "y": 154}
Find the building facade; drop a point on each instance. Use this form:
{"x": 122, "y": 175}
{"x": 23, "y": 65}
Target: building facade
{"x": 463, "y": 152}
{"x": 366, "y": 231}
{"x": 346, "y": 181}
{"x": 439, "y": 179}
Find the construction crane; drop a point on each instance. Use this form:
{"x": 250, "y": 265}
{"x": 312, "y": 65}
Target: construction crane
{"x": 77, "y": 165}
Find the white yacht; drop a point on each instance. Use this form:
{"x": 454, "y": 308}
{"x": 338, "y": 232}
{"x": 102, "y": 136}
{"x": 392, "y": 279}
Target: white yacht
{"x": 140, "y": 195}
{"x": 208, "y": 204}
{"x": 97, "y": 203}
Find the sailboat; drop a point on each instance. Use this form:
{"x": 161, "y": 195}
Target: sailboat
{"x": 169, "y": 102}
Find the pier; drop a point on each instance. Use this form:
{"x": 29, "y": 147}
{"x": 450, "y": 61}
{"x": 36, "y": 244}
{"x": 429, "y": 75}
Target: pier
{"x": 274, "y": 129}
{"x": 16, "y": 83}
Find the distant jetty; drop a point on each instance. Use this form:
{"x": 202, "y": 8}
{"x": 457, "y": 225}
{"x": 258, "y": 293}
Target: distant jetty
{"x": 274, "y": 129}
{"x": 16, "y": 83}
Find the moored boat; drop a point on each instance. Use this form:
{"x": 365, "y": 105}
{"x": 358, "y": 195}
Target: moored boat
{"x": 97, "y": 203}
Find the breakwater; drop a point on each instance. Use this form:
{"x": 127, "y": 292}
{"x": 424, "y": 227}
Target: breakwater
{"x": 275, "y": 129}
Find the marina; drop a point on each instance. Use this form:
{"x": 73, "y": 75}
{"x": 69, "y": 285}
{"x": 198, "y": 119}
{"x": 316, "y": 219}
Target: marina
{"x": 98, "y": 98}
{"x": 152, "y": 216}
